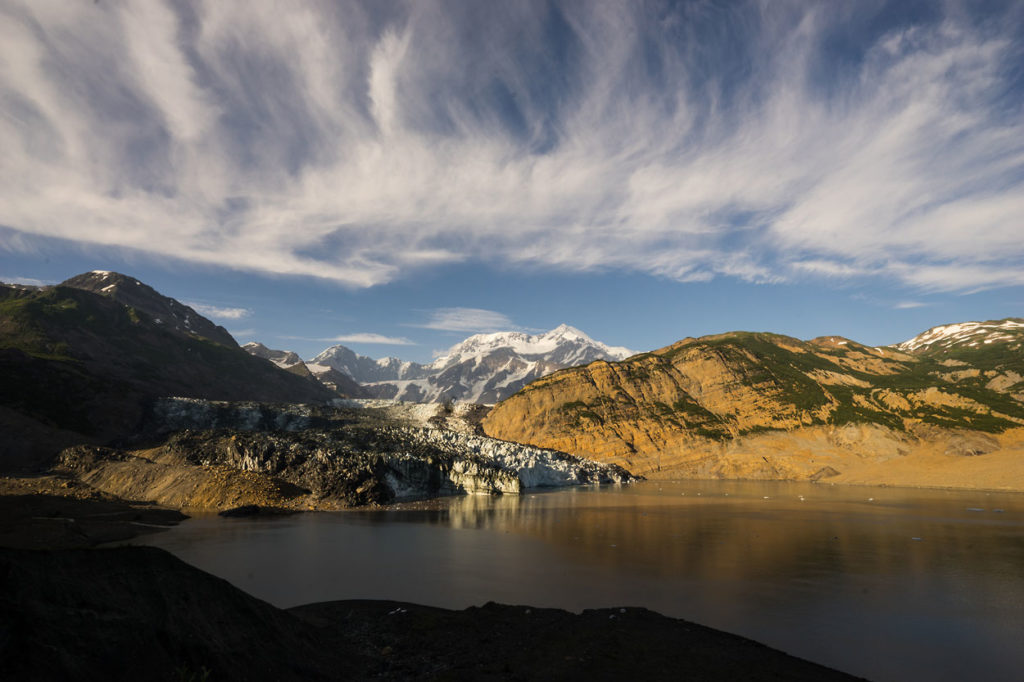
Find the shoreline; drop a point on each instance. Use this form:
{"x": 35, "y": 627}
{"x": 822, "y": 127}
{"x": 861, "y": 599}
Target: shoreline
{"x": 47, "y": 511}
{"x": 844, "y": 484}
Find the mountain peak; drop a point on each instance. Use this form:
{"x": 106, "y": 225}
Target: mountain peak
{"x": 566, "y": 331}
{"x": 970, "y": 334}
{"x": 285, "y": 359}
{"x": 564, "y": 345}
{"x": 362, "y": 368}
{"x": 171, "y": 315}
{"x": 101, "y": 279}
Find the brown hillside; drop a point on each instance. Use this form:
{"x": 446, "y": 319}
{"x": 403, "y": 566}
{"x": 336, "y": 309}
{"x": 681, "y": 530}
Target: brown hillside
{"x": 746, "y": 405}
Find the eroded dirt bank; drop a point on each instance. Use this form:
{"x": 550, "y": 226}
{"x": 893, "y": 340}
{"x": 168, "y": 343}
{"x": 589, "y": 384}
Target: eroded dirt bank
{"x": 860, "y": 454}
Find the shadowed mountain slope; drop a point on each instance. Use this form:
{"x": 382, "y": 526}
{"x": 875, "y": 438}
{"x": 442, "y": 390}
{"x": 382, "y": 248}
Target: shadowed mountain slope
{"x": 164, "y": 311}
{"x": 77, "y": 366}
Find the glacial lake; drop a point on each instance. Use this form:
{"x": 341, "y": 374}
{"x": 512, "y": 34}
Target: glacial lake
{"x": 887, "y": 583}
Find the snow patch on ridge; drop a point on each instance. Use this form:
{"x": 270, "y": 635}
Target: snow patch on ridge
{"x": 970, "y": 333}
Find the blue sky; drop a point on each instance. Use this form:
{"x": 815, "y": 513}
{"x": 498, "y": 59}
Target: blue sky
{"x": 395, "y": 176}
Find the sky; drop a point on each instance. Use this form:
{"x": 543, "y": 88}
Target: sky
{"x": 395, "y": 176}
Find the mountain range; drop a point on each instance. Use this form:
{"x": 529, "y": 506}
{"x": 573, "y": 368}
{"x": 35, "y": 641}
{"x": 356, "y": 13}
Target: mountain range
{"x": 485, "y": 368}
{"x": 113, "y": 388}
{"x": 84, "y": 361}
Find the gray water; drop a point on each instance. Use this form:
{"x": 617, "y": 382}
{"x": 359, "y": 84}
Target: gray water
{"x": 909, "y": 585}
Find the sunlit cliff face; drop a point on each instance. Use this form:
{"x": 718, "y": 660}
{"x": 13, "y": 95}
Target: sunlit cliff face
{"x": 765, "y": 406}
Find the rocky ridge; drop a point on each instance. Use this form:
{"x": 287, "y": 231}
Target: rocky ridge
{"x": 366, "y": 370}
{"x": 80, "y": 366}
{"x": 945, "y": 338}
{"x": 171, "y": 315}
{"x": 340, "y": 383}
{"x": 285, "y": 359}
{"x": 746, "y": 405}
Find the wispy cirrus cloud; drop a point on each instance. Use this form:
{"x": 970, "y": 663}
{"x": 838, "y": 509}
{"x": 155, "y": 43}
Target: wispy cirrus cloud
{"x": 359, "y": 142}
{"x": 367, "y": 337}
{"x": 358, "y": 337}
{"x": 474, "y": 320}
{"x": 218, "y": 312}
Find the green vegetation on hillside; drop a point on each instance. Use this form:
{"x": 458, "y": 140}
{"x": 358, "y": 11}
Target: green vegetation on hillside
{"x": 827, "y": 381}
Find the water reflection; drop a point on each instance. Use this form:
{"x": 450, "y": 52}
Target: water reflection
{"x": 886, "y": 583}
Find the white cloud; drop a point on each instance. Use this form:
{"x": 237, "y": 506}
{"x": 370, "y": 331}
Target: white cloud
{"x": 218, "y": 312}
{"x": 358, "y": 337}
{"x": 29, "y": 281}
{"x": 367, "y": 337}
{"x": 829, "y": 268}
{"x": 359, "y": 143}
{"x": 907, "y": 305}
{"x": 467, "y": 320}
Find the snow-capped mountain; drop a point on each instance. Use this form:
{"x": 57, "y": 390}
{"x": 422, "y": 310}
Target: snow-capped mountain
{"x": 563, "y": 345}
{"x": 285, "y": 359}
{"x": 965, "y": 334}
{"x": 485, "y": 368}
{"x": 291, "y": 362}
{"x": 363, "y": 369}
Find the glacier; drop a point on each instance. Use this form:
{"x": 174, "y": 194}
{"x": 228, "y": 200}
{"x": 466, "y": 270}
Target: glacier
{"x": 418, "y": 450}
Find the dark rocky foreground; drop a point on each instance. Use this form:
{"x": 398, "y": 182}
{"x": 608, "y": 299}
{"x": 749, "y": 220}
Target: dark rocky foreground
{"x": 54, "y": 512}
{"x": 138, "y": 613}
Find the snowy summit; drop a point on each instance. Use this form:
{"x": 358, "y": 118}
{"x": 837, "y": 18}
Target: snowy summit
{"x": 563, "y": 345}
{"x": 971, "y": 334}
{"x": 485, "y": 368}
